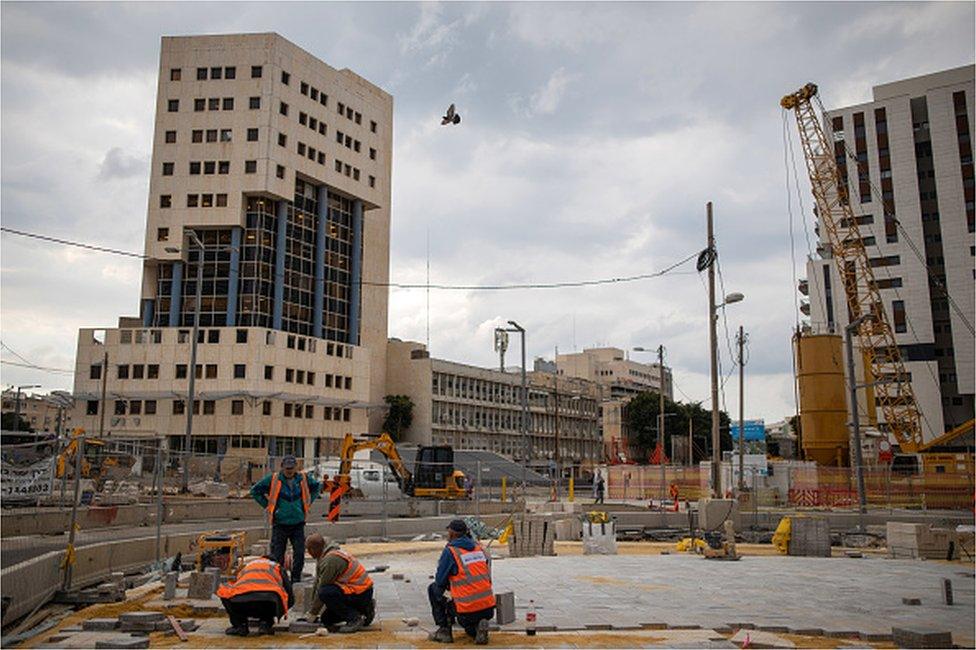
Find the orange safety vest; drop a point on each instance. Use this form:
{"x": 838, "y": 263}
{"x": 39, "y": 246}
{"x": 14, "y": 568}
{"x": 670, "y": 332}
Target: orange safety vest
{"x": 471, "y": 585}
{"x": 354, "y": 580}
{"x": 275, "y": 490}
{"x": 257, "y": 575}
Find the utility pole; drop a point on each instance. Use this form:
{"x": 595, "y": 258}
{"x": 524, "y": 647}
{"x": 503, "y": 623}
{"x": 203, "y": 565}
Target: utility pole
{"x": 103, "y": 407}
{"x": 849, "y": 333}
{"x": 526, "y": 442}
{"x": 713, "y": 351}
{"x": 660, "y": 426}
{"x": 691, "y": 442}
{"x": 556, "y": 440}
{"x": 192, "y": 370}
{"x": 741, "y": 340}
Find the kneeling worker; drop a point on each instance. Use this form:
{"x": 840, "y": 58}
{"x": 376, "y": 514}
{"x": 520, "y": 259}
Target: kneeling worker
{"x": 465, "y": 569}
{"x": 262, "y": 591}
{"x": 342, "y": 586}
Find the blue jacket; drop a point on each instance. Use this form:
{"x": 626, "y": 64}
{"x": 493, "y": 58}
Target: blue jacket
{"x": 446, "y": 566}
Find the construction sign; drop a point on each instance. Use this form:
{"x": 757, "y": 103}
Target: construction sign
{"x": 27, "y": 482}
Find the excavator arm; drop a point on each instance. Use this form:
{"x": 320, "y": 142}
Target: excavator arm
{"x": 339, "y": 485}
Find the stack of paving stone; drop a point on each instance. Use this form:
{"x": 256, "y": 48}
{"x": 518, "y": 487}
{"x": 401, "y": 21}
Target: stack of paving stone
{"x": 599, "y": 538}
{"x": 531, "y": 536}
{"x": 917, "y": 541}
{"x": 810, "y": 537}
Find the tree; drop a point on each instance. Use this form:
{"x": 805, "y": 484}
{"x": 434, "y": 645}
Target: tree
{"x": 8, "y": 423}
{"x": 399, "y": 417}
{"x": 642, "y": 422}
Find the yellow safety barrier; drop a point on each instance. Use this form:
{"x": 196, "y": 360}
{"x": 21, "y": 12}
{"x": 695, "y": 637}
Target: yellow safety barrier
{"x": 572, "y": 486}
{"x": 504, "y": 487}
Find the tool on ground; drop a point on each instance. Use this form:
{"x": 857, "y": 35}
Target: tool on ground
{"x": 725, "y": 548}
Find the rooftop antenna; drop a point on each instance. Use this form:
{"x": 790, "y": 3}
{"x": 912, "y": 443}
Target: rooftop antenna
{"x": 428, "y": 289}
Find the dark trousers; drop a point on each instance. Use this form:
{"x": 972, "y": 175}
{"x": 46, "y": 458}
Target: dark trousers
{"x": 239, "y": 612}
{"x": 445, "y": 614}
{"x": 281, "y": 534}
{"x": 341, "y": 607}
{"x": 599, "y": 497}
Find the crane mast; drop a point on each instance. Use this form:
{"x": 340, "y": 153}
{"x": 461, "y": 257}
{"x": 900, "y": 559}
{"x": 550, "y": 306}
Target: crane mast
{"x": 876, "y": 340}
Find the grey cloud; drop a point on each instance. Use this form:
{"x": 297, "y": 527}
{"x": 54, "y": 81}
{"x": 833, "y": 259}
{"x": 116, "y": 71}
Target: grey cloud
{"x": 118, "y": 164}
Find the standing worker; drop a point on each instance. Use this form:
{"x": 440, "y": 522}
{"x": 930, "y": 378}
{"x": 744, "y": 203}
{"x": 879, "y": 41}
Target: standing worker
{"x": 342, "y": 586}
{"x": 262, "y": 591}
{"x": 465, "y": 569}
{"x": 287, "y": 496}
{"x": 598, "y": 488}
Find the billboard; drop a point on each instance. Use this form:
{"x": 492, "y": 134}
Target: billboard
{"x": 754, "y": 430}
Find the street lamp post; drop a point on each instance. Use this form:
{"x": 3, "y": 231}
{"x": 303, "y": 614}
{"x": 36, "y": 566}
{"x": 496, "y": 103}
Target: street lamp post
{"x": 660, "y": 415}
{"x": 710, "y": 258}
{"x": 192, "y": 370}
{"x": 17, "y": 404}
{"x": 849, "y": 332}
{"x": 526, "y": 443}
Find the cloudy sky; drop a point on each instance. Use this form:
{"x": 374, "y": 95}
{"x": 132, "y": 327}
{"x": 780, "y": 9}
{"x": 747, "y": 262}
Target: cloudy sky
{"x": 592, "y": 137}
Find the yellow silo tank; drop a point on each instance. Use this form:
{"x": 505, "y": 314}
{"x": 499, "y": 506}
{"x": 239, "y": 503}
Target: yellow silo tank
{"x": 823, "y": 404}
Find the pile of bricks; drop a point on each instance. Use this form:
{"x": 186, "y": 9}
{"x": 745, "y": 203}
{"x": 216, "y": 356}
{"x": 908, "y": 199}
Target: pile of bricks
{"x": 531, "y": 536}
{"x": 810, "y": 537}
{"x": 917, "y": 541}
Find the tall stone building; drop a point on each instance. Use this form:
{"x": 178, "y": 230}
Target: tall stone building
{"x": 914, "y": 160}
{"x": 270, "y": 177}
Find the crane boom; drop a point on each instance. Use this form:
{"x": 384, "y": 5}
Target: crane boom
{"x": 893, "y": 390}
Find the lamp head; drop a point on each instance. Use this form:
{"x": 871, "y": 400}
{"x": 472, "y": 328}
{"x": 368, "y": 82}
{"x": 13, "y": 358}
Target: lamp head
{"x": 734, "y": 297}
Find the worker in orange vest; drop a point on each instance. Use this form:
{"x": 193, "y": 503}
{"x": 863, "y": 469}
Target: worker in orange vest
{"x": 342, "y": 586}
{"x": 464, "y": 569}
{"x": 262, "y": 591}
{"x": 287, "y": 496}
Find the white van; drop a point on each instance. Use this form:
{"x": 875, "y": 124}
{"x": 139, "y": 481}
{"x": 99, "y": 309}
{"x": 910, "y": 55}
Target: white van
{"x": 365, "y": 476}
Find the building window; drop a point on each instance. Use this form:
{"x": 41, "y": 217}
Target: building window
{"x": 321, "y": 158}
{"x": 170, "y": 137}
{"x": 211, "y": 371}
{"x": 338, "y": 165}
{"x": 310, "y": 378}
{"x": 216, "y": 73}
{"x": 180, "y": 372}
{"x": 165, "y": 200}
{"x": 289, "y": 375}
{"x": 315, "y": 94}
{"x": 285, "y": 77}
{"x": 194, "y": 168}
{"x": 309, "y": 411}
{"x": 301, "y": 148}
{"x": 91, "y": 408}
{"x": 150, "y": 407}
{"x": 287, "y": 410}
{"x": 302, "y": 118}
{"x": 898, "y": 316}
{"x": 162, "y": 234}
{"x": 208, "y": 406}
{"x": 201, "y": 74}
{"x": 211, "y": 135}
{"x": 250, "y": 166}
{"x": 280, "y": 171}
{"x": 196, "y": 136}
{"x": 167, "y": 169}
{"x": 359, "y": 118}
{"x": 206, "y": 200}
{"x": 283, "y": 108}
{"x": 372, "y": 126}
{"x": 179, "y": 407}
{"x": 175, "y": 74}
{"x": 95, "y": 371}
{"x": 152, "y": 371}
{"x": 255, "y": 72}
{"x": 123, "y": 371}
{"x": 228, "y": 103}
{"x": 240, "y": 371}
{"x": 372, "y": 153}
{"x": 303, "y": 88}
{"x": 199, "y": 104}
{"x": 209, "y": 167}
{"x": 221, "y": 200}
{"x": 348, "y": 383}
{"x": 282, "y": 139}
{"x": 346, "y": 414}
{"x": 237, "y": 407}
{"x": 213, "y": 104}
{"x": 242, "y": 336}
{"x": 254, "y": 103}
{"x": 266, "y": 408}
{"x": 223, "y": 167}
{"x": 230, "y": 72}
{"x": 120, "y": 407}
{"x": 226, "y": 135}
{"x": 269, "y": 373}
{"x": 173, "y": 106}
{"x": 372, "y": 181}
{"x": 324, "y": 99}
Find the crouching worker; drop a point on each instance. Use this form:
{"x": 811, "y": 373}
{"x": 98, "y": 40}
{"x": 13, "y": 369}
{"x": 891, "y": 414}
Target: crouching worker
{"x": 465, "y": 570}
{"x": 342, "y": 586}
{"x": 262, "y": 591}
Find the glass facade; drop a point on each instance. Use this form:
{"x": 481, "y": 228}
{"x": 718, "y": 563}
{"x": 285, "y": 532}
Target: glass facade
{"x": 256, "y": 272}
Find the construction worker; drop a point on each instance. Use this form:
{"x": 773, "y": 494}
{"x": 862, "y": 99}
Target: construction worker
{"x": 464, "y": 569}
{"x": 287, "y": 496}
{"x": 342, "y": 586}
{"x": 262, "y": 591}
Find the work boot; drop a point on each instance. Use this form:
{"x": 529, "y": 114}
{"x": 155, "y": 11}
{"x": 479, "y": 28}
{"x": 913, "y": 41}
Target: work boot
{"x": 370, "y": 612}
{"x": 481, "y": 637}
{"x": 442, "y": 635}
{"x": 265, "y": 628}
{"x": 236, "y": 630}
{"x": 354, "y": 625}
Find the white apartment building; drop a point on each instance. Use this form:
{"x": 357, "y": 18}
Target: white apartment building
{"x": 278, "y": 166}
{"x": 913, "y": 146}
{"x": 620, "y": 377}
{"x": 469, "y": 407}
{"x": 44, "y": 413}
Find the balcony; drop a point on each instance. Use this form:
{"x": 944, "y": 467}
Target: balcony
{"x": 803, "y": 286}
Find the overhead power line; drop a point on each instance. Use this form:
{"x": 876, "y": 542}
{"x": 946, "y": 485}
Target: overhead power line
{"x": 404, "y": 285}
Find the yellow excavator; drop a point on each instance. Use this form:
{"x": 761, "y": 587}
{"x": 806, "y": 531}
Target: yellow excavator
{"x": 92, "y": 465}
{"x": 433, "y": 477}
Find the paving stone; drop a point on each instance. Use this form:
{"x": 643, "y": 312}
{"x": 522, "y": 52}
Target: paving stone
{"x": 843, "y": 634}
{"x": 683, "y": 626}
{"x": 99, "y": 624}
{"x": 921, "y": 637}
{"x": 777, "y": 629}
{"x": 758, "y": 638}
{"x": 911, "y": 601}
{"x": 876, "y": 637}
{"x": 169, "y": 585}
{"x": 723, "y": 629}
{"x": 123, "y": 642}
{"x": 141, "y": 617}
{"x": 303, "y": 627}
{"x": 654, "y": 626}
{"x": 505, "y": 607}
{"x": 145, "y": 626}
{"x": 202, "y": 585}
{"x": 807, "y": 631}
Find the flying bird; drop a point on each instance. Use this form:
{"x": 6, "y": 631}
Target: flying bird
{"x": 452, "y": 117}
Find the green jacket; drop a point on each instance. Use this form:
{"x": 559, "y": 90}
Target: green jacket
{"x": 327, "y": 569}
{"x": 288, "y": 510}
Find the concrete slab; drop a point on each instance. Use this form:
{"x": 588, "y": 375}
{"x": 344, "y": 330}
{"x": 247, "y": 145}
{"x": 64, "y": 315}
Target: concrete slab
{"x": 760, "y": 639}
